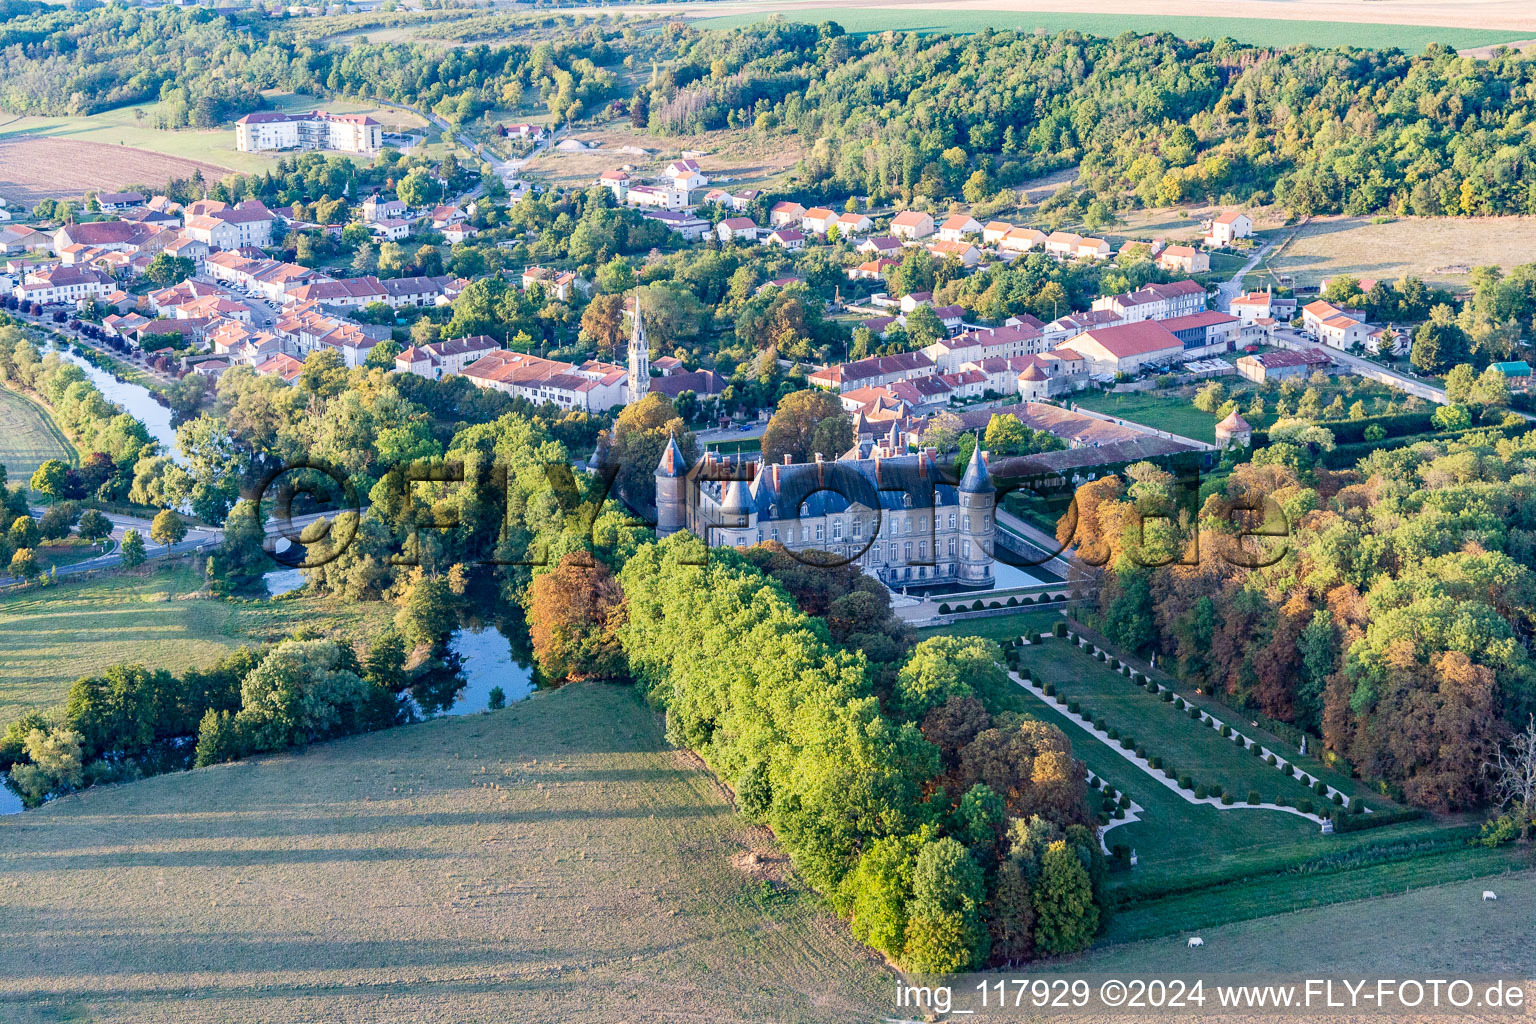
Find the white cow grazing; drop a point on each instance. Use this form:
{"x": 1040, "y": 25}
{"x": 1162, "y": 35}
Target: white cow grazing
{"x": 1196, "y": 941}
{"x": 1489, "y": 894}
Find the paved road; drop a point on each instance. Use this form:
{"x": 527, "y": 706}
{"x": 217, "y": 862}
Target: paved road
{"x": 1232, "y": 287}
{"x": 196, "y": 537}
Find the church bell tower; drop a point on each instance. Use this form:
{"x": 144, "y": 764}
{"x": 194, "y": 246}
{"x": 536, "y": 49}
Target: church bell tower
{"x": 639, "y": 359}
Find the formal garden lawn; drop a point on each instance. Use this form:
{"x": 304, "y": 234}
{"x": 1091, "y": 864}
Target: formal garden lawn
{"x": 998, "y": 627}
{"x": 157, "y": 617}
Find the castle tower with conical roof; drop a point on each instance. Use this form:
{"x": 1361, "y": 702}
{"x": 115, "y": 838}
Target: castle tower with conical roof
{"x": 671, "y": 494}
{"x": 978, "y": 500}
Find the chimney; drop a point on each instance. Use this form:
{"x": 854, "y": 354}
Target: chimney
{"x": 818, "y": 457}
{"x": 789, "y": 458}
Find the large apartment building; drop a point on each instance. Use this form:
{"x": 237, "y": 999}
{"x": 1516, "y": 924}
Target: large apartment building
{"x": 347, "y": 133}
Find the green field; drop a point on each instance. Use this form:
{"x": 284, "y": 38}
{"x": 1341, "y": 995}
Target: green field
{"x": 29, "y": 437}
{"x": 123, "y": 127}
{"x": 1274, "y": 32}
{"x": 57, "y": 634}
{"x": 1172, "y": 413}
{"x": 998, "y": 627}
{"x": 554, "y": 861}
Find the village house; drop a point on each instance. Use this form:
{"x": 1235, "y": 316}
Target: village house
{"x": 439, "y": 359}
{"x": 112, "y": 201}
{"x": 853, "y": 224}
{"x": 376, "y": 208}
{"x": 436, "y": 290}
{"x": 685, "y": 176}
{"x": 912, "y": 225}
{"x": 737, "y": 228}
{"x": 392, "y": 229}
{"x": 787, "y": 238}
{"x": 1155, "y": 301}
{"x": 1185, "y": 259}
{"x": 592, "y": 387}
{"x": 873, "y": 270}
{"x": 691, "y": 228}
{"x": 874, "y": 371}
{"x": 112, "y": 235}
{"x": 951, "y": 354}
{"x": 955, "y": 228}
{"x": 965, "y": 252}
{"x": 282, "y": 365}
{"x": 786, "y": 214}
{"x": 881, "y": 246}
{"x": 1022, "y": 240}
{"x": 657, "y": 197}
{"x": 995, "y": 231}
{"x": 230, "y": 227}
{"x": 1092, "y": 249}
{"x": 1335, "y": 326}
{"x": 557, "y": 284}
{"x": 1204, "y": 333}
{"x": 1227, "y": 228}
{"x": 53, "y": 284}
{"x": 818, "y": 220}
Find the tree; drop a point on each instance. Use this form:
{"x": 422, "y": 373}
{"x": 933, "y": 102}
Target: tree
{"x": 241, "y": 561}
{"x": 94, "y": 525}
{"x": 805, "y": 424}
{"x": 942, "y": 667}
{"x": 1452, "y": 417}
{"x": 416, "y": 189}
{"x": 1006, "y": 435}
{"x": 133, "y": 549}
{"x": 944, "y": 929}
{"x": 57, "y": 520}
{"x": 639, "y": 436}
{"x": 1491, "y": 390}
{"x": 427, "y": 614}
{"x": 168, "y": 528}
{"x": 51, "y": 478}
{"x": 1438, "y": 345}
{"x": 24, "y": 565}
{"x": 52, "y": 767}
{"x": 1459, "y": 382}
{"x": 1066, "y": 918}
{"x": 574, "y": 615}
{"x": 24, "y": 532}
{"x": 166, "y": 270}
{"x": 1513, "y": 770}
{"x": 602, "y": 324}
{"x": 1210, "y": 396}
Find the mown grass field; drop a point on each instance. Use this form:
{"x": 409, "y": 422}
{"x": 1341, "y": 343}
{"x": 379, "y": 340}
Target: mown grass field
{"x": 1276, "y": 32}
{"x": 54, "y": 635}
{"x": 554, "y": 861}
{"x": 1161, "y": 412}
{"x": 1440, "y": 250}
{"x": 29, "y": 437}
{"x": 1447, "y": 928}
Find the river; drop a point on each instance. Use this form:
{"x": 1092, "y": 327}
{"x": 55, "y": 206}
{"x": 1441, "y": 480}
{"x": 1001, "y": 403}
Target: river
{"x": 136, "y": 400}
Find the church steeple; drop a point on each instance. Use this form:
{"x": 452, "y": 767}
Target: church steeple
{"x": 639, "y": 359}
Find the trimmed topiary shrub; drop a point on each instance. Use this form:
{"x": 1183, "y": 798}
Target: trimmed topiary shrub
{"x": 1185, "y": 783}
{"x": 1269, "y": 758}
{"x": 1319, "y": 787}
{"x": 1114, "y": 663}
{"x": 1060, "y": 629}
{"x": 1226, "y": 730}
{"x": 1013, "y": 602}
{"x": 1170, "y": 771}
{"x": 1178, "y": 702}
{"x": 944, "y": 608}
{"x": 1141, "y": 751}
{"x": 1049, "y": 689}
{"x": 1226, "y": 798}
{"x": 1304, "y": 806}
{"x": 1125, "y": 800}
{"x": 1290, "y": 769}
{"x": 1061, "y": 698}
{"x": 1098, "y": 723}
{"x": 1155, "y": 761}
{"x": 1253, "y": 796}
{"x": 1194, "y": 714}
{"x": 1027, "y": 600}
{"x": 977, "y": 606}
{"x": 1127, "y": 742}
{"x": 1200, "y": 792}
{"x": 1357, "y": 807}
{"x": 1114, "y": 734}
{"x": 1072, "y": 706}
{"x": 1168, "y": 696}
{"x": 1338, "y": 798}
{"x": 995, "y": 604}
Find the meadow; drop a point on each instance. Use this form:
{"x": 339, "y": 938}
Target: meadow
{"x": 157, "y": 616}
{"x": 1439, "y": 250}
{"x": 29, "y": 437}
{"x": 552, "y": 861}
{"x": 1275, "y": 32}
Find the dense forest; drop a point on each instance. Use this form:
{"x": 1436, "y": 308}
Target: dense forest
{"x": 1150, "y": 119}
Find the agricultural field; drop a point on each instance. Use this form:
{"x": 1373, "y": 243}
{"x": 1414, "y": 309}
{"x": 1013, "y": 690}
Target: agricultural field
{"x": 42, "y": 157}
{"x": 1441, "y": 251}
{"x": 29, "y": 437}
{"x": 555, "y": 860}
{"x": 1136, "y": 17}
{"x": 1161, "y": 412}
{"x": 55, "y": 635}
